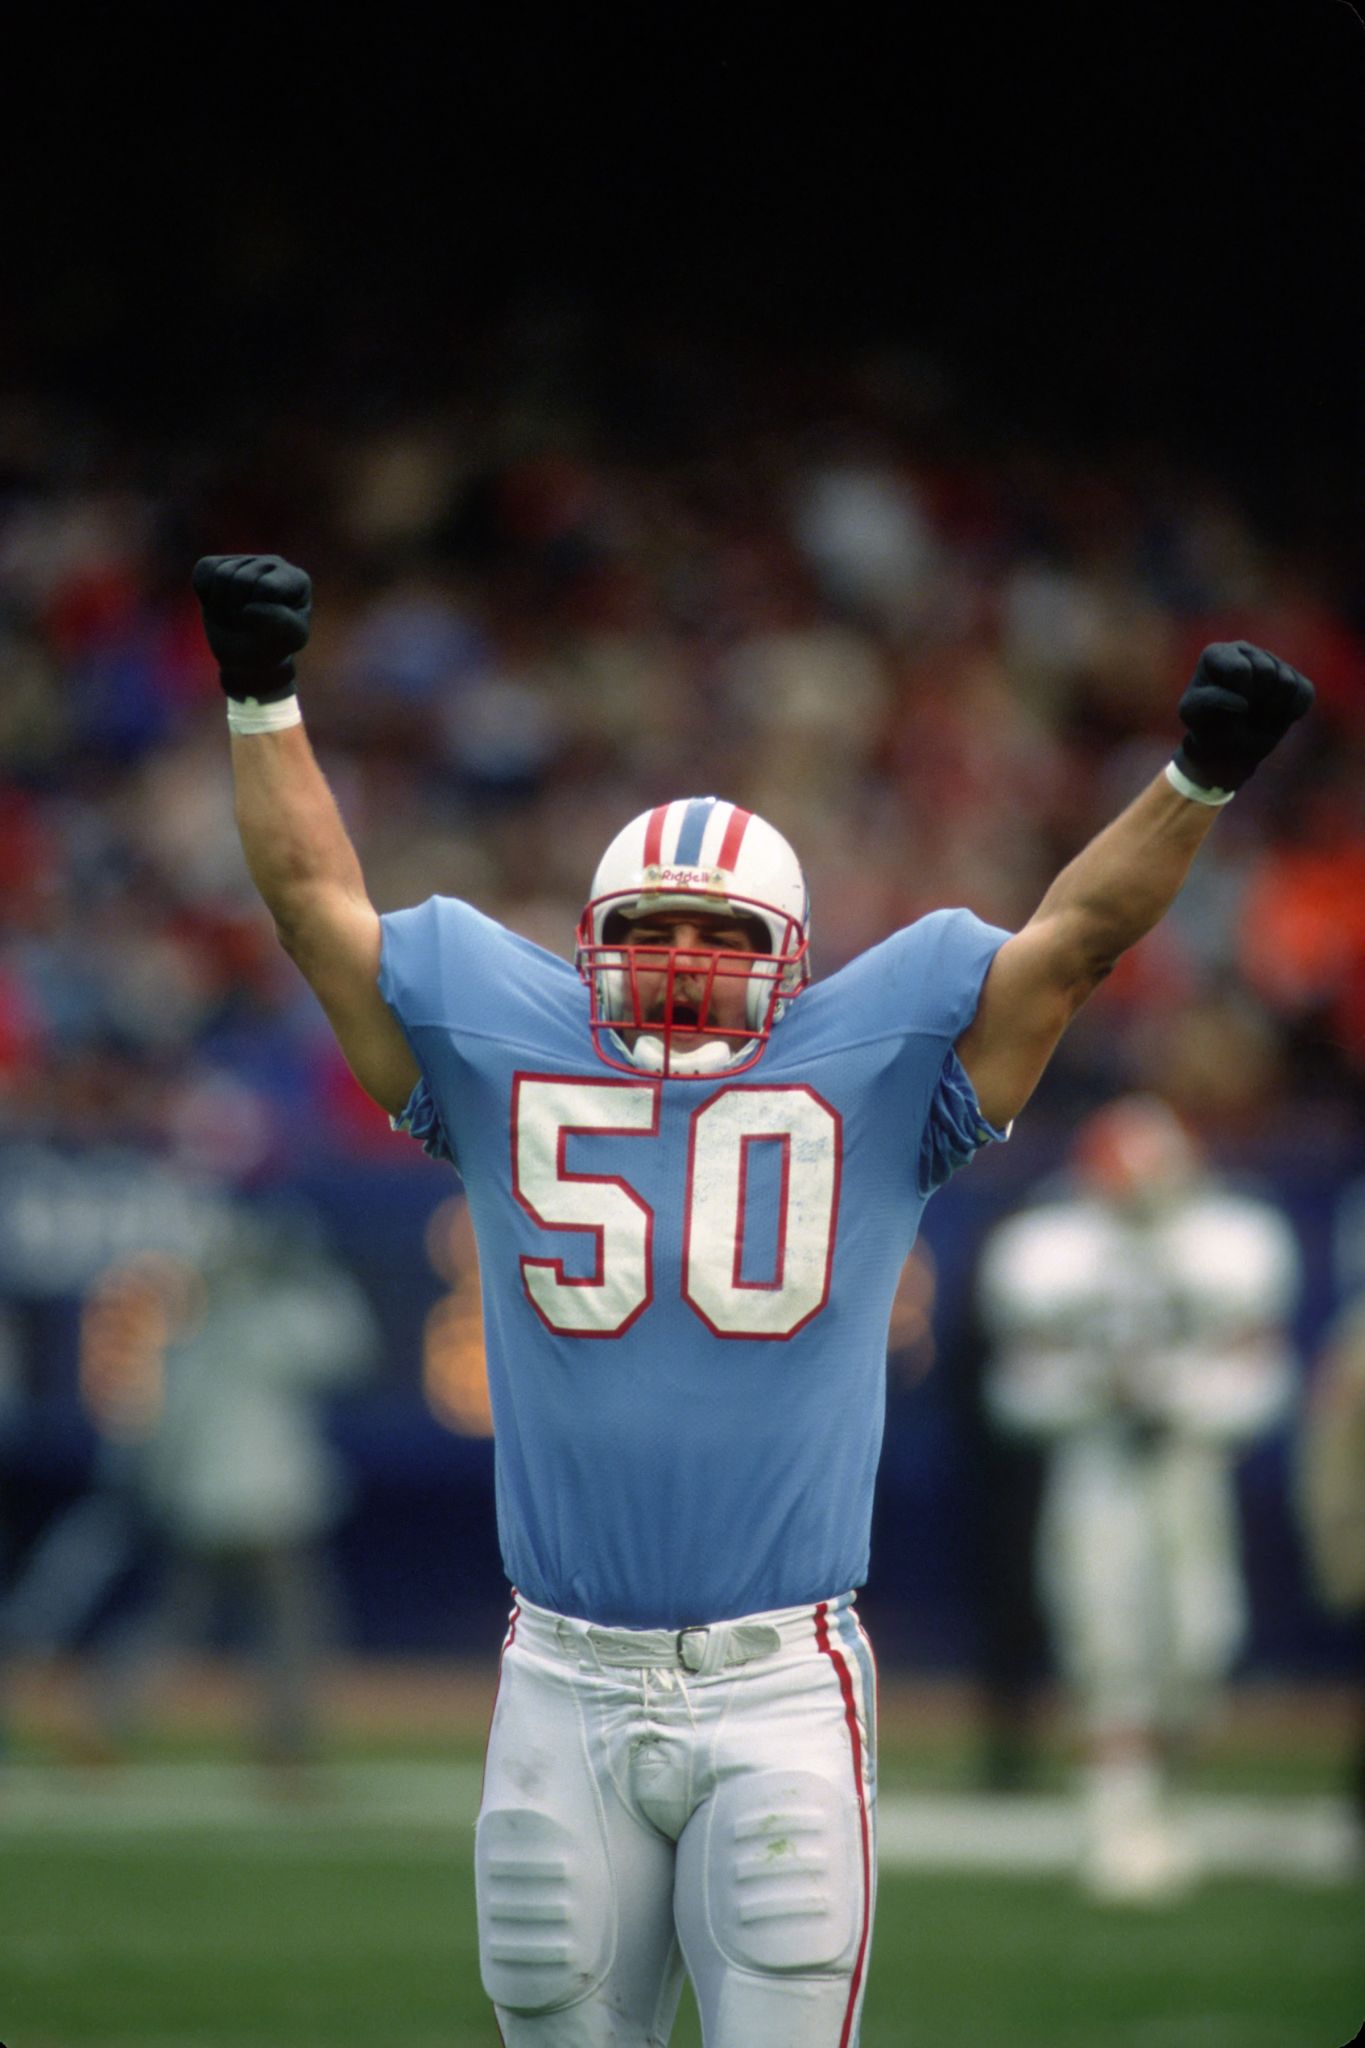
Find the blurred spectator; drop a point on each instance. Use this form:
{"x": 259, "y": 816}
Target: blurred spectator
{"x": 1138, "y": 1319}
{"x": 1302, "y": 929}
{"x": 865, "y": 530}
{"x": 1331, "y": 1489}
{"x": 207, "y": 1380}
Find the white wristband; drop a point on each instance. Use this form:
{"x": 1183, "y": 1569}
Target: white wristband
{"x": 1180, "y": 781}
{"x": 245, "y": 715}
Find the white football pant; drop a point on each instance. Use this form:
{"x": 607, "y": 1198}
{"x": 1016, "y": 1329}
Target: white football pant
{"x": 654, "y": 1801}
{"x": 1141, "y": 1575}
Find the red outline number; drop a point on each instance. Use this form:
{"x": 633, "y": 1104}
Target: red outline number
{"x": 547, "y": 1110}
{"x": 723, "y": 1132}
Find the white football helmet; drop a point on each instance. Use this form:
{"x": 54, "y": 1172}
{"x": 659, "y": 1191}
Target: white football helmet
{"x": 707, "y": 857}
{"x": 1136, "y": 1153}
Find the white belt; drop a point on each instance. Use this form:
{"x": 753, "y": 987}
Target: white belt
{"x": 701, "y": 1648}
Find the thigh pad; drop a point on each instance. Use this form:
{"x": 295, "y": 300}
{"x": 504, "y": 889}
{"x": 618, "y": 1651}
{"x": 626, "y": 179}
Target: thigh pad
{"x": 784, "y": 1874}
{"x": 545, "y": 1923}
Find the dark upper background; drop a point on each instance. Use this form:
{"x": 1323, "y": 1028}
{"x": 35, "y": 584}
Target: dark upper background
{"x": 1109, "y": 221}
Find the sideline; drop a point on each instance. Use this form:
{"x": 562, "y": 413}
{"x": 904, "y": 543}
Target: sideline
{"x": 351, "y": 1810}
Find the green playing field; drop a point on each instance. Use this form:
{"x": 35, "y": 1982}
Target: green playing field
{"x": 169, "y": 1905}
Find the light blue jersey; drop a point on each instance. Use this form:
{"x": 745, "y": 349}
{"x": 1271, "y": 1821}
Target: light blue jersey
{"x": 687, "y": 1284}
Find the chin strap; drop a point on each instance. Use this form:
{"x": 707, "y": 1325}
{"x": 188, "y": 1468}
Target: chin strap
{"x": 710, "y": 1057}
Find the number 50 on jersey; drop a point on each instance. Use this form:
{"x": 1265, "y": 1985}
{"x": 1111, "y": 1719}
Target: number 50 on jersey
{"x": 549, "y": 1109}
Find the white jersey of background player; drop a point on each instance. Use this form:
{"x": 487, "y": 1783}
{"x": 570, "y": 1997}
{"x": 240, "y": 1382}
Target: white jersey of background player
{"x": 1139, "y": 1325}
{"x": 694, "y": 1181}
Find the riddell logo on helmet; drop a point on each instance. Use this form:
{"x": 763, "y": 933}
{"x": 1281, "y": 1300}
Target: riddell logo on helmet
{"x": 685, "y": 878}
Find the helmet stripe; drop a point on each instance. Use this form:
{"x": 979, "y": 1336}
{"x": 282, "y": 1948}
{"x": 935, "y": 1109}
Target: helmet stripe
{"x": 654, "y": 836}
{"x": 734, "y": 837}
{"x": 693, "y": 831}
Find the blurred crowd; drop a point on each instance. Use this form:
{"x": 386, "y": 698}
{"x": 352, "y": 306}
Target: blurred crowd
{"x": 938, "y": 657}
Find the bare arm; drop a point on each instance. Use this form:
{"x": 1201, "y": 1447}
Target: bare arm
{"x": 1102, "y": 903}
{"x": 306, "y": 869}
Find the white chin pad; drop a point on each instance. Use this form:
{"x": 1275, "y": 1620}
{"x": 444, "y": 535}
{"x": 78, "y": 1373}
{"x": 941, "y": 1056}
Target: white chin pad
{"x": 707, "y": 1057}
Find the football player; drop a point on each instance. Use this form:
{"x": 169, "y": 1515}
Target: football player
{"x": 1139, "y": 1321}
{"x": 694, "y": 1177}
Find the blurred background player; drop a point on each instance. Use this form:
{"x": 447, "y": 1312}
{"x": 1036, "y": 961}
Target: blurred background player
{"x": 1331, "y": 1495}
{"x": 216, "y": 1486}
{"x": 1138, "y": 1318}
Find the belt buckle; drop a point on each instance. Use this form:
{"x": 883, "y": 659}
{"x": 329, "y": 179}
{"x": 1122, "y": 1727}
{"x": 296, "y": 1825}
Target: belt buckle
{"x": 695, "y": 1628}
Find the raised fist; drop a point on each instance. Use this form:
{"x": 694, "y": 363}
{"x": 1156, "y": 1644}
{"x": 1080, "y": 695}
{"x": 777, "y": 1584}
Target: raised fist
{"x": 256, "y": 613}
{"x": 1240, "y": 703}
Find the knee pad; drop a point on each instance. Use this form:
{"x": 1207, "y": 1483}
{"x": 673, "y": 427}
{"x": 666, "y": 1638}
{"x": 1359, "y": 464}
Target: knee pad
{"x": 784, "y": 1873}
{"x": 545, "y": 1929}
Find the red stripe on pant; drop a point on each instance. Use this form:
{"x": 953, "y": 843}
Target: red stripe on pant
{"x": 513, "y": 1618}
{"x": 845, "y": 1677}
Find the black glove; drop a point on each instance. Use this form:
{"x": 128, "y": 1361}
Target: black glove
{"x": 256, "y": 610}
{"x": 1240, "y": 703}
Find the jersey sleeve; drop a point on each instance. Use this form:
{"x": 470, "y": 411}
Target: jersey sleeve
{"x": 948, "y": 958}
{"x": 411, "y": 983}
{"x": 421, "y": 1119}
{"x": 948, "y": 955}
{"x": 445, "y": 969}
{"x": 914, "y": 995}
{"x": 955, "y": 1129}
{"x": 421, "y": 953}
